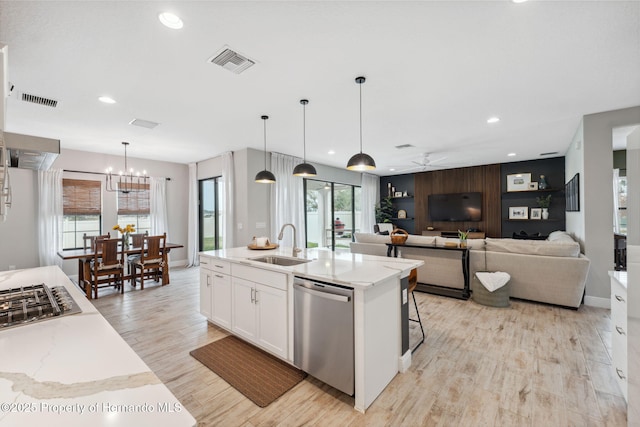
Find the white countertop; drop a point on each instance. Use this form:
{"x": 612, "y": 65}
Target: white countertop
{"x": 620, "y": 277}
{"x": 339, "y": 266}
{"x": 76, "y": 370}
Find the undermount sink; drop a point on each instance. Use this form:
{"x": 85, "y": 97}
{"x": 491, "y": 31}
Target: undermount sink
{"x": 280, "y": 260}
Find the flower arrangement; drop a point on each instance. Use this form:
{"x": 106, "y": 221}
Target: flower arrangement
{"x": 544, "y": 201}
{"x": 462, "y": 235}
{"x": 129, "y": 228}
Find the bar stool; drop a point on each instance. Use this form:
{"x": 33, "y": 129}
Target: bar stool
{"x": 413, "y": 282}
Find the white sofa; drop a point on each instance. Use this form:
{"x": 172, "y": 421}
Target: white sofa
{"x": 551, "y": 271}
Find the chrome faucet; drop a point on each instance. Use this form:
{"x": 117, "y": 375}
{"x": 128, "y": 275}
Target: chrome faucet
{"x": 295, "y": 249}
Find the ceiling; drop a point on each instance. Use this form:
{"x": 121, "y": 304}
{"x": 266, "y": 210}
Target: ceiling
{"x": 436, "y": 71}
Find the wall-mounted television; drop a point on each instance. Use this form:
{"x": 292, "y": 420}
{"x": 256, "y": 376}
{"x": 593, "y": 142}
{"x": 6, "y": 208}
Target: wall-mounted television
{"x": 455, "y": 207}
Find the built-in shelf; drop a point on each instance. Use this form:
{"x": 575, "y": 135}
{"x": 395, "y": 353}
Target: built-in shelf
{"x": 546, "y": 190}
{"x": 402, "y": 197}
{"x": 401, "y": 219}
{"x": 536, "y": 220}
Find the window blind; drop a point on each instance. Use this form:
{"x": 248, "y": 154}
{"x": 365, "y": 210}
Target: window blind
{"x": 81, "y": 197}
{"x": 135, "y": 203}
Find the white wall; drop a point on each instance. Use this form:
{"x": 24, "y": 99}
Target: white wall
{"x": 596, "y": 205}
{"x": 18, "y": 235}
{"x": 574, "y": 163}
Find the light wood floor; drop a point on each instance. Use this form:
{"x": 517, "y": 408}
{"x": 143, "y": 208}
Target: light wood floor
{"x": 528, "y": 365}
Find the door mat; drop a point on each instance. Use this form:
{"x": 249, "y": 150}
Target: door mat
{"x": 258, "y": 375}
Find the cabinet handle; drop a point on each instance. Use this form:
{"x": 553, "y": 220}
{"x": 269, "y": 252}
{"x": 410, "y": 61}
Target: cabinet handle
{"x": 619, "y": 298}
{"x": 205, "y": 263}
{"x": 620, "y": 330}
{"x": 253, "y": 300}
{"x": 219, "y": 276}
{"x": 208, "y": 282}
{"x": 219, "y": 266}
{"x": 620, "y": 372}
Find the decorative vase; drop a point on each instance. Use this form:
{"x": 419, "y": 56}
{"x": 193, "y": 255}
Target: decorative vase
{"x": 127, "y": 238}
{"x": 545, "y": 213}
{"x": 542, "y": 184}
{"x": 463, "y": 244}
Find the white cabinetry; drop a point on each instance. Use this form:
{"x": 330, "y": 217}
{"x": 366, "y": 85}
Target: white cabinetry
{"x": 249, "y": 301}
{"x": 215, "y": 291}
{"x": 619, "y": 328}
{"x": 260, "y": 307}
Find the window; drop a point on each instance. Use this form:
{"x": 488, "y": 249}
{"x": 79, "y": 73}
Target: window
{"x": 622, "y": 204}
{"x": 332, "y": 213}
{"x": 211, "y": 212}
{"x": 133, "y": 208}
{"x": 82, "y": 205}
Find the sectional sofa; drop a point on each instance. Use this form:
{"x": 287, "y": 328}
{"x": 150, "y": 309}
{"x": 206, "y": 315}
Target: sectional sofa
{"x": 551, "y": 271}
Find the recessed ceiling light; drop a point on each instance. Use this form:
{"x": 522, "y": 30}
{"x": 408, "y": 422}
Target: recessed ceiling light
{"x": 511, "y": 154}
{"x": 170, "y": 20}
{"x": 332, "y": 152}
{"x": 518, "y": 1}
{"x": 493, "y": 119}
{"x": 392, "y": 169}
{"x": 107, "y": 100}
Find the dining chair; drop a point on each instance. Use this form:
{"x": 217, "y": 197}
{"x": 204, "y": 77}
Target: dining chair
{"x": 152, "y": 260}
{"x": 137, "y": 241}
{"x": 89, "y": 241}
{"x": 107, "y": 265}
{"x": 413, "y": 282}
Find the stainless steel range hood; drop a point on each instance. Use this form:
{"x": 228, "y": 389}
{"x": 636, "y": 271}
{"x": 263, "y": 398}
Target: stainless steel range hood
{"x": 31, "y": 152}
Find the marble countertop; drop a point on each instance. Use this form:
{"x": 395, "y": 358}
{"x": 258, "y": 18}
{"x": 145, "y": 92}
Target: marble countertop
{"x": 76, "y": 370}
{"x": 339, "y": 266}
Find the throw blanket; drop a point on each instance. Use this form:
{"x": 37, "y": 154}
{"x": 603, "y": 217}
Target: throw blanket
{"x": 493, "y": 281}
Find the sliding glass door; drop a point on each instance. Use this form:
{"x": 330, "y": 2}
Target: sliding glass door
{"x": 332, "y": 213}
{"x": 210, "y": 212}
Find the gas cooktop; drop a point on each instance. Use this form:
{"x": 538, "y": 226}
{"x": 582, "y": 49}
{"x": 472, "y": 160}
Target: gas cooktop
{"x": 33, "y": 303}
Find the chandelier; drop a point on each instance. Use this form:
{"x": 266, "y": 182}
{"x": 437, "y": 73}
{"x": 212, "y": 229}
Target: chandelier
{"x": 127, "y": 181}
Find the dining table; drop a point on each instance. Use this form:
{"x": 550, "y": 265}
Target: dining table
{"x": 84, "y": 266}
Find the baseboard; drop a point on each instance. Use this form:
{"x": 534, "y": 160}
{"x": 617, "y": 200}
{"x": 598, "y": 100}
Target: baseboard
{"x": 597, "y": 302}
{"x": 178, "y": 263}
{"x": 404, "y": 362}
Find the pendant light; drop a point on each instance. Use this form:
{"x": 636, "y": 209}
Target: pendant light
{"x": 304, "y": 169}
{"x": 361, "y": 161}
{"x": 264, "y": 176}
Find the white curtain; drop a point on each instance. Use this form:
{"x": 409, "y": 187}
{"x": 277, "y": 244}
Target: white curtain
{"x": 158, "y": 207}
{"x": 50, "y": 216}
{"x": 287, "y": 199}
{"x": 370, "y": 194}
{"x": 193, "y": 236}
{"x": 227, "y": 199}
{"x": 616, "y": 205}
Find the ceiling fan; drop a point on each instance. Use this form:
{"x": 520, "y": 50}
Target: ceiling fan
{"x": 423, "y": 163}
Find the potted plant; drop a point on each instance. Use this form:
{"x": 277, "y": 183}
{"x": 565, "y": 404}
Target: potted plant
{"x": 544, "y": 203}
{"x": 384, "y": 212}
{"x": 462, "y": 235}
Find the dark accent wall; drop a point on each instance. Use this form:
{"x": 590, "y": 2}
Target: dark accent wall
{"x": 484, "y": 179}
{"x": 553, "y": 170}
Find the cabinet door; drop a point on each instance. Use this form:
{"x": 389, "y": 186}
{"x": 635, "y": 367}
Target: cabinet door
{"x": 221, "y": 300}
{"x": 244, "y": 309}
{"x": 272, "y": 319}
{"x": 205, "y": 292}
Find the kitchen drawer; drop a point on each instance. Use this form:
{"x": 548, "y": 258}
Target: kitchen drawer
{"x": 215, "y": 264}
{"x": 260, "y": 275}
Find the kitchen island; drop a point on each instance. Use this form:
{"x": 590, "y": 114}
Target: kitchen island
{"x": 76, "y": 370}
{"x": 231, "y": 279}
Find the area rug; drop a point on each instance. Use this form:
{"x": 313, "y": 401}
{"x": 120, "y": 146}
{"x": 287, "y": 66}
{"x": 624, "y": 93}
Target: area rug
{"x": 258, "y": 375}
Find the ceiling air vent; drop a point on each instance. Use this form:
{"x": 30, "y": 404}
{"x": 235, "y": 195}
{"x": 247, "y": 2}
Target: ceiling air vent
{"x": 400, "y": 147}
{"x": 550, "y": 153}
{"x": 40, "y": 100}
{"x": 144, "y": 123}
{"x": 232, "y": 61}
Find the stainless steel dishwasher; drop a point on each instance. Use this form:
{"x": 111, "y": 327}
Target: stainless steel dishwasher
{"x": 323, "y": 332}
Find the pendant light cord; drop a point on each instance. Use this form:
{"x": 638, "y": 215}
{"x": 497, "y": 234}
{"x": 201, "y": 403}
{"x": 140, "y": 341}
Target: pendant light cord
{"x": 264, "y": 120}
{"x": 304, "y": 132}
{"x": 360, "y": 118}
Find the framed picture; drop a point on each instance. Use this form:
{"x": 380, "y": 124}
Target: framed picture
{"x": 397, "y": 194}
{"x": 533, "y": 186}
{"x": 572, "y": 194}
{"x": 536, "y": 213}
{"x": 519, "y": 212}
{"x": 402, "y": 214}
{"x": 518, "y": 182}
